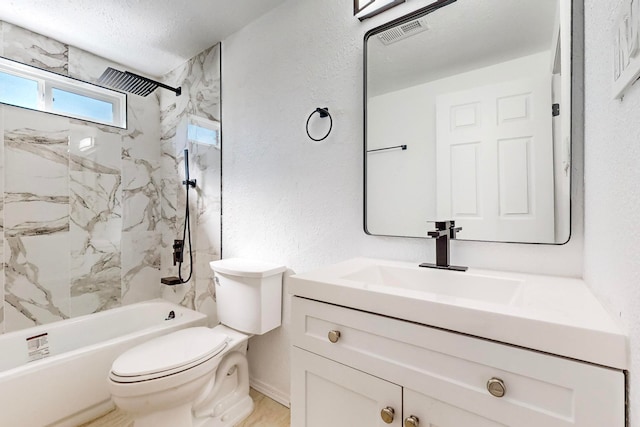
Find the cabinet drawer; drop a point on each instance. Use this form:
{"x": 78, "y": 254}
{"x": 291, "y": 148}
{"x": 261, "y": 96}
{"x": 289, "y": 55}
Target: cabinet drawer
{"x": 541, "y": 389}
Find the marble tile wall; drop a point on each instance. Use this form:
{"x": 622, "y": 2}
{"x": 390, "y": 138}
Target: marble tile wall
{"x": 36, "y": 218}
{"x": 200, "y": 82}
{"x": 81, "y": 227}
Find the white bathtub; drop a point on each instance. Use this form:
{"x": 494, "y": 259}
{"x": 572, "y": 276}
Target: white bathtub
{"x": 69, "y": 386}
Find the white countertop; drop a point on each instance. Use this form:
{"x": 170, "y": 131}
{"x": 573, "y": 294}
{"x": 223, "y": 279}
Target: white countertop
{"x": 556, "y": 315}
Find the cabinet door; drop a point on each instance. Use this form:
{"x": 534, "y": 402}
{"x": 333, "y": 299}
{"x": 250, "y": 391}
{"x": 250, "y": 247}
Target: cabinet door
{"x": 432, "y": 412}
{"x": 325, "y": 393}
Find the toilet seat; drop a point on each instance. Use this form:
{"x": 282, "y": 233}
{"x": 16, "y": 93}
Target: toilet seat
{"x": 168, "y": 355}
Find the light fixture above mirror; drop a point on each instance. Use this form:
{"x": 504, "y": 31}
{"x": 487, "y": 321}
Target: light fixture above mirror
{"x": 363, "y": 9}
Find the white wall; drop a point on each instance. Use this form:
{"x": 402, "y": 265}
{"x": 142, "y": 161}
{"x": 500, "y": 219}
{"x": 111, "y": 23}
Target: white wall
{"x": 612, "y": 195}
{"x": 401, "y": 184}
{"x": 289, "y": 200}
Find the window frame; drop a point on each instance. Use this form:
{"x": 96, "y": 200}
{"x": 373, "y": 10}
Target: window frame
{"x": 48, "y": 81}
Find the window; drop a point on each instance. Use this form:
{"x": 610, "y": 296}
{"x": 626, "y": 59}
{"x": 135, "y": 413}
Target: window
{"x": 25, "y": 86}
{"x": 74, "y": 104}
{"x": 203, "y": 131}
{"x": 18, "y": 91}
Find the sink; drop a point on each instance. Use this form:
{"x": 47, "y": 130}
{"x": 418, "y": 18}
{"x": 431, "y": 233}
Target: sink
{"x": 448, "y": 284}
{"x": 556, "y": 315}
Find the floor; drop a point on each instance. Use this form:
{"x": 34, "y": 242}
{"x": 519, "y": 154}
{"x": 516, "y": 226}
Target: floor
{"x": 267, "y": 413}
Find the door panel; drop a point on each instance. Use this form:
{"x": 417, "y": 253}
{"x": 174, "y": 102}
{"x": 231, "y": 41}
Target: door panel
{"x": 495, "y": 150}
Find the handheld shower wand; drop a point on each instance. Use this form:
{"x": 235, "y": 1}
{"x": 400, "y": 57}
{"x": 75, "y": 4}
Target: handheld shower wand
{"x": 188, "y": 182}
{"x": 178, "y": 245}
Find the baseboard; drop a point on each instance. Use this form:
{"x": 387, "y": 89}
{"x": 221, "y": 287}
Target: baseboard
{"x": 270, "y": 392}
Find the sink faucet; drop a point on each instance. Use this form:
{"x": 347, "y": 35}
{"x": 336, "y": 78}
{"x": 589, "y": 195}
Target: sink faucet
{"x": 444, "y": 232}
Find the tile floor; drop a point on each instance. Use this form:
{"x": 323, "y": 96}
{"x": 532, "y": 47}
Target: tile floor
{"x": 267, "y": 413}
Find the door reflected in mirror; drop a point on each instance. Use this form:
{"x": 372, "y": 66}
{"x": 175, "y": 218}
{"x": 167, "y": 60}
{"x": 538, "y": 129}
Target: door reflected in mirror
{"x": 468, "y": 117}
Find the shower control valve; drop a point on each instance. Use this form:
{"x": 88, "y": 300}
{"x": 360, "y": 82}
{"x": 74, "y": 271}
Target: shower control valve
{"x": 178, "y": 249}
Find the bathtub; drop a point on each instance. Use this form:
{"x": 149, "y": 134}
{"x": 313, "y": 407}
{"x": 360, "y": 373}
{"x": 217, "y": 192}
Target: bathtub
{"x": 56, "y": 374}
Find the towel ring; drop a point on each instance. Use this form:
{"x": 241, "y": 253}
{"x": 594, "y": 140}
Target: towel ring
{"x": 323, "y": 112}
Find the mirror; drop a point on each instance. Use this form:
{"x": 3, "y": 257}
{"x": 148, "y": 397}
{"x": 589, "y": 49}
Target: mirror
{"x": 468, "y": 117}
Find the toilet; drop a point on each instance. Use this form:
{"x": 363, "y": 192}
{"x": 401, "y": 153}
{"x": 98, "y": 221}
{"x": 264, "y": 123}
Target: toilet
{"x": 199, "y": 376}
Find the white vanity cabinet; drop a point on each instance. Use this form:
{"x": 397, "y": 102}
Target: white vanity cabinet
{"x": 438, "y": 377}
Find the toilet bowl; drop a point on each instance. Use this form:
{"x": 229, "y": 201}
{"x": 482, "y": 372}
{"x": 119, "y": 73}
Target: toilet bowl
{"x": 199, "y": 376}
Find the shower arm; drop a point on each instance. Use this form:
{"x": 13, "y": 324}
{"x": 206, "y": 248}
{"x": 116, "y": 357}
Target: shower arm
{"x": 177, "y": 90}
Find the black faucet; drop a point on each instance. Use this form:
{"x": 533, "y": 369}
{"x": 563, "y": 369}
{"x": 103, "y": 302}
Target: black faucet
{"x": 444, "y": 232}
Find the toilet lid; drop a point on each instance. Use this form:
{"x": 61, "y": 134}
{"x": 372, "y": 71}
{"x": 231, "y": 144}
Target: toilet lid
{"x": 167, "y": 354}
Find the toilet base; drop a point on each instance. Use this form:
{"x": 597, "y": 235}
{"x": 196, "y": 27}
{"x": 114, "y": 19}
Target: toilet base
{"x": 179, "y": 416}
{"x": 183, "y": 417}
{"x": 231, "y": 417}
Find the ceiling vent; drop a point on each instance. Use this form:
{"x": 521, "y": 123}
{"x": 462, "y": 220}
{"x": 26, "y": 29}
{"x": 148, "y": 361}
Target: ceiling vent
{"x": 403, "y": 31}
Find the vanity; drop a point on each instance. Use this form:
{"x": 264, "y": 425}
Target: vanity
{"x": 385, "y": 343}
{"x": 469, "y": 117}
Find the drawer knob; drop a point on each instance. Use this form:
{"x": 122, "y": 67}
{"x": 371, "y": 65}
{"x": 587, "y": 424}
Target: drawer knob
{"x": 334, "y": 336}
{"x": 496, "y": 387}
{"x": 411, "y": 421}
{"x": 387, "y": 414}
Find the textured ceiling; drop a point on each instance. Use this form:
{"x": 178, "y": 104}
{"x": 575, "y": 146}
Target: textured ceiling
{"x": 153, "y": 36}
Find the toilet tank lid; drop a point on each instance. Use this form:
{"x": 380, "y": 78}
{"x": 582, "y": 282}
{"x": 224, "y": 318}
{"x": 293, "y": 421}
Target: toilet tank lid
{"x": 246, "y": 267}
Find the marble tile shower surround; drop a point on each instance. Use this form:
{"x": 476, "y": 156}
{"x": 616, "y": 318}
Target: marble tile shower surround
{"x": 200, "y": 82}
{"x": 87, "y": 230}
{"x": 81, "y": 228}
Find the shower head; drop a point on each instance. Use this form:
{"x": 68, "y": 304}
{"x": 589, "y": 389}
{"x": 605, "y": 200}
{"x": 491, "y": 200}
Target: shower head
{"x": 132, "y": 83}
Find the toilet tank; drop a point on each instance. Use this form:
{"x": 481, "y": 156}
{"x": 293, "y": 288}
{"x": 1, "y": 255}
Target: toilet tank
{"x": 248, "y": 294}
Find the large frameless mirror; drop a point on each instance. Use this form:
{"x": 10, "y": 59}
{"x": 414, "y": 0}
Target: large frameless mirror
{"x": 468, "y": 117}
